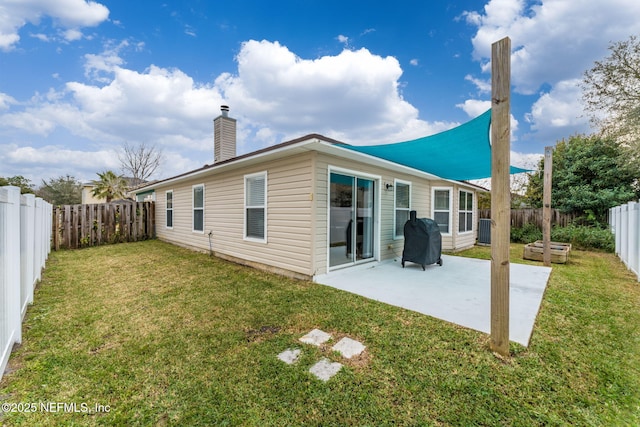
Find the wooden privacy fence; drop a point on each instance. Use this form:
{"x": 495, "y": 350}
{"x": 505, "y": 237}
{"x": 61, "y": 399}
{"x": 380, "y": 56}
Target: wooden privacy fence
{"x": 520, "y": 217}
{"x": 25, "y": 235}
{"x": 78, "y": 226}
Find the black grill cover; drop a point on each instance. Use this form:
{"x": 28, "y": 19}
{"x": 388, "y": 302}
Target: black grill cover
{"x": 422, "y": 241}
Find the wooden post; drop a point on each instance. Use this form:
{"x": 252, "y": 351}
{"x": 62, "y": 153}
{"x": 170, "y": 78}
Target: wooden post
{"x": 546, "y": 206}
{"x": 500, "y": 193}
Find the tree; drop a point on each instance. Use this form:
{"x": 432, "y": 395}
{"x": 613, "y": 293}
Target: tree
{"x": 590, "y": 175}
{"x": 140, "y": 161}
{"x": 19, "y": 181}
{"x": 61, "y": 191}
{"x": 611, "y": 91}
{"x": 110, "y": 186}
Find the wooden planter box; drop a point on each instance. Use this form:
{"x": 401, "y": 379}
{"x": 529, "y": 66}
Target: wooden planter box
{"x": 559, "y": 251}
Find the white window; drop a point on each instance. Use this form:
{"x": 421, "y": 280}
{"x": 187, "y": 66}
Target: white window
{"x": 465, "y": 212}
{"x": 169, "y": 208}
{"x": 198, "y": 208}
{"x": 441, "y": 208}
{"x": 402, "y": 206}
{"x": 255, "y": 207}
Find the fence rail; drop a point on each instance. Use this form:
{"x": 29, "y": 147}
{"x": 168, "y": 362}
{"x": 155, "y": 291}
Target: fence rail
{"x": 625, "y": 225}
{"x": 25, "y": 236}
{"x": 77, "y": 226}
{"x": 520, "y": 217}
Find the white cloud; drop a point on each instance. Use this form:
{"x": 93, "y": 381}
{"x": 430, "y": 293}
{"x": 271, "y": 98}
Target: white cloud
{"x": 275, "y": 95}
{"x": 553, "y": 43}
{"x": 41, "y": 37}
{"x": 190, "y": 31}
{"x": 558, "y": 110}
{"x": 70, "y": 14}
{"x": 552, "y": 40}
{"x": 474, "y": 107}
{"x": 72, "y": 34}
{"x": 6, "y": 101}
{"x": 354, "y": 95}
{"x": 484, "y": 86}
{"x": 414, "y": 62}
{"x": 343, "y": 39}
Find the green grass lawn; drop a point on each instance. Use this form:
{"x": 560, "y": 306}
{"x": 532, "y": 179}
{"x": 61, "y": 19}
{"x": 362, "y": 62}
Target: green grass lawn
{"x": 166, "y": 336}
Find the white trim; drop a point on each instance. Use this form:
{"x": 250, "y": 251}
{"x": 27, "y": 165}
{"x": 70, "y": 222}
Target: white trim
{"x": 244, "y": 225}
{"x": 451, "y": 207}
{"x": 166, "y": 209}
{"x": 462, "y": 233}
{"x": 377, "y": 179}
{"x": 395, "y": 208}
{"x": 193, "y": 209}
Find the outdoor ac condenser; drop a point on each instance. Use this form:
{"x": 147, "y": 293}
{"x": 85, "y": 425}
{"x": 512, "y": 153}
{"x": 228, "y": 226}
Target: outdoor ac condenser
{"x": 484, "y": 231}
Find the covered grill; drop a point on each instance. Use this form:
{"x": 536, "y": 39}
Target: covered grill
{"x": 422, "y": 241}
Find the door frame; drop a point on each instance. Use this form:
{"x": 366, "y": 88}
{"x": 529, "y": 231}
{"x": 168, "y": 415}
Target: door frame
{"x": 377, "y": 179}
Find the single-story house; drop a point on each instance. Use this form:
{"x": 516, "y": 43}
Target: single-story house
{"x": 307, "y": 206}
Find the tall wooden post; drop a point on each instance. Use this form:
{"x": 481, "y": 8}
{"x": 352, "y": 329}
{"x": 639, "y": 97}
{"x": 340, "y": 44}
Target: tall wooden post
{"x": 546, "y": 206}
{"x": 500, "y": 193}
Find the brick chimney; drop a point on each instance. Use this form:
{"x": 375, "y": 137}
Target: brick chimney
{"x": 224, "y": 136}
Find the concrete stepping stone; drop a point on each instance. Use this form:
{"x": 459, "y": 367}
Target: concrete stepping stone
{"x": 290, "y": 356}
{"x": 325, "y": 369}
{"x": 316, "y": 337}
{"x": 348, "y": 347}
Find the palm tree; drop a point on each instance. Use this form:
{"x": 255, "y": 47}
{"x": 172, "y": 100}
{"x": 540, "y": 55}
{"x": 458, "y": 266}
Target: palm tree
{"x": 110, "y": 186}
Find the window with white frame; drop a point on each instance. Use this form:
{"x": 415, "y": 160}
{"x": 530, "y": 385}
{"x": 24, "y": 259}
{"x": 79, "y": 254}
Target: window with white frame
{"x": 402, "y": 206}
{"x": 255, "y": 212}
{"x": 465, "y": 212}
{"x": 169, "y": 208}
{"x": 198, "y": 208}
{"x": 441, "y": 202}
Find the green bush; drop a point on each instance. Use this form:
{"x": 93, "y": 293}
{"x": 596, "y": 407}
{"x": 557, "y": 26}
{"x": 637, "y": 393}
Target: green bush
{"x": 580, "y": 236}
{"x": 527, "y": 234}
{"x": 583, "y": 237}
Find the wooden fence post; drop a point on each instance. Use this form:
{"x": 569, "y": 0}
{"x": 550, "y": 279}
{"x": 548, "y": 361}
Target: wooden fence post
{"x": 501, "y": 194}
{"x": 546, "y": 206}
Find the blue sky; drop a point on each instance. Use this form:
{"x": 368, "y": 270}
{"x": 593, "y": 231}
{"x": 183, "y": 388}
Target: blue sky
{"x": 78, "y": 79}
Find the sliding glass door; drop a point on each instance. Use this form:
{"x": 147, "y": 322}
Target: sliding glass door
{"x": 351, "y": 219}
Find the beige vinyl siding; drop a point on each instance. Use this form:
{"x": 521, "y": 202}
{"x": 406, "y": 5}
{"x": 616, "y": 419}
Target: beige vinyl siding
{"x": 289, "y": 212}
{"x": 388, "y": 246}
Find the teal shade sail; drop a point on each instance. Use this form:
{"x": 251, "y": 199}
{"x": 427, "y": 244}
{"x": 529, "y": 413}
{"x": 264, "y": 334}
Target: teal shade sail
{"x": 461, "y": 153}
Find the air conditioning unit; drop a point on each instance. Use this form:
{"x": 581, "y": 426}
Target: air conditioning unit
{"x": 484, "y": 232}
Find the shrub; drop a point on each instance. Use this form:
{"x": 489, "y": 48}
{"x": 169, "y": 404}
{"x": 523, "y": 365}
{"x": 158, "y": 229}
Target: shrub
{"x": 583, "y": 237}
{"x": 580, "y": 236}
{"x": 527, "y": 234}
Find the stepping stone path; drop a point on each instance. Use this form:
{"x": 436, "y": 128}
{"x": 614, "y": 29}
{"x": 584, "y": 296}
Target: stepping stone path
{"x": 324, "y": 369}
{"x": 316, "y": 337}
{"x": 348, "y": 347}
{"x": 290, "y": 356}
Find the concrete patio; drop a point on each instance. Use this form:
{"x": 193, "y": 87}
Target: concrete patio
{"x": 458, "y": 292}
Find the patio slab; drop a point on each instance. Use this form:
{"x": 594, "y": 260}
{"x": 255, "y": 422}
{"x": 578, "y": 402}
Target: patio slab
{"x": 458, "y": 292}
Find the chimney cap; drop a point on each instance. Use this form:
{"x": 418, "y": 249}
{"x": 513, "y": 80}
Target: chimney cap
{"x": 225, "y": 110}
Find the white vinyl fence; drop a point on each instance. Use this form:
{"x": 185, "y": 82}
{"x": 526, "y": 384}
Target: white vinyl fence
{"x": 625, "y": 225}
{"x": 25, "y": 243}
